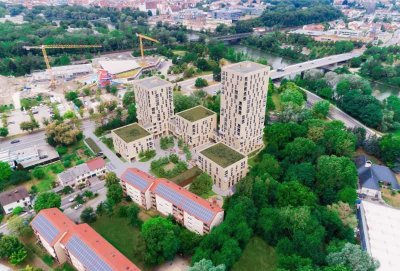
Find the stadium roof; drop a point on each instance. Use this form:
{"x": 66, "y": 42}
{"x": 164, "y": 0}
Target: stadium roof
{"x": 119, "y": 66}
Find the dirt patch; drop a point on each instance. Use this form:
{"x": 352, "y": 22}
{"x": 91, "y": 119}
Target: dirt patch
{"x": 391, "y": 198}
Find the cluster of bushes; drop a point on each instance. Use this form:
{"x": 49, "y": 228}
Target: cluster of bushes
{"x": 158, "y": 167}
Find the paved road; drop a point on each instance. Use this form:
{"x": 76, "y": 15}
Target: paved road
{"x": 337, "y": 114}
{"x": 312, "y": 64}
{"x": 188, "y": 85}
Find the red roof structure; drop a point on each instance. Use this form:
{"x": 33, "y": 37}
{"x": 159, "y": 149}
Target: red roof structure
{"x": 96, "y": 163}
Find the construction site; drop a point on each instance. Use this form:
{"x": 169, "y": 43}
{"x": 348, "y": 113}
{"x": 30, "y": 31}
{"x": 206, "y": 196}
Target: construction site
{"x": 103, "y": 70}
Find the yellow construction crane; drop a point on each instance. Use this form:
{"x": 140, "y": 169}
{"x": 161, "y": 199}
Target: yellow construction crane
{"x": 141, "y": 37}
{"x": 57, "y": 46}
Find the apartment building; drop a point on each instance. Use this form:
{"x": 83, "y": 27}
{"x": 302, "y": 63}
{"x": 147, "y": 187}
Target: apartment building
{"x": 243, "y": 104}
{"x": 195, "y": 126}
{"x": 225, "y": 165}
{"x": 130, "y": 140}
{"x": 135, "y": 184}
{"x": 79, "y": 245}
{"x": 13, "y": 198}
{"x": 82, "y": 174}
{"x": 154, "y": 100}
{"x": 193, "y": 212}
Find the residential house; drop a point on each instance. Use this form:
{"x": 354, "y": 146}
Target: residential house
{"x": 13, "y": 198}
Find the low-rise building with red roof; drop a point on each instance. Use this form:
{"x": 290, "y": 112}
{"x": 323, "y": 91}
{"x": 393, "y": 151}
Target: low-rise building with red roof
{"x": 79, "y": 245}
{"x": 193, "y": 212}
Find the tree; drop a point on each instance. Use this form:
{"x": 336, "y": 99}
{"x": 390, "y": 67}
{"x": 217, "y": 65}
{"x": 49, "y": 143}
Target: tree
{"x": 161, "y": 239}
{"x": 345, "y": 212}
{"x": 5, "y": 171}
{"x": 334, "y": 174}
{"x": 201, "y": 185}
{"x": 390, "y": 149}
{"x": 18, "y": 226}
{"x": 321, "y": 109}
{"x": 47, "y": 200}
{"x": 28, "y": 125}
{"x": 200, "y": 83}
{"x": 114, "y": 193}
{"x": 133, "y": 213}
{"x": 17, "y": 210}
{"x": 12, "y": 249}
{"x": 128, "y": 99}
{"x": 38, "y": 173}
{"x": 111, "y": 178}
{"x": 3, "y": 131}
{"x": 71, "y": 95}
{"x": 206, "y": 265}
{"x": 62, "y": 133}
{"x": 354, "y": 258}
{"x": 188, "y": 242}
{"x": 88, "y": 215}
{"x": 291, "y": 94}
{"x": 303, "y": 172}
{"x": 300, "y": 150}
{"x": 295, "y": 194}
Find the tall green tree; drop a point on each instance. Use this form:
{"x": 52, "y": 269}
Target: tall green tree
{"x": 47, "y": 200}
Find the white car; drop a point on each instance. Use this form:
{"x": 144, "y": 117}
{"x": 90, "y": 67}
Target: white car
{"x": 77, "y": 206}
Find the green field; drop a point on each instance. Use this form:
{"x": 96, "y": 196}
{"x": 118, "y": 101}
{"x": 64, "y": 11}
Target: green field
{"x": 125, "y": 238}
{"x": 256, "y": 256}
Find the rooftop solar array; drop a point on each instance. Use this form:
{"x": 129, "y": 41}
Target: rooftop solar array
{"x": 45, "y": 228}
{"x": 188, "y": 205}
{"x": 135, "y": 180}
{"x": 86, "y": 256}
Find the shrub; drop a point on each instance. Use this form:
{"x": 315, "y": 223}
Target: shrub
{"x": 38, "y": 173}
{"x": 61, "y": 150}
{"x": 17, "y": 210}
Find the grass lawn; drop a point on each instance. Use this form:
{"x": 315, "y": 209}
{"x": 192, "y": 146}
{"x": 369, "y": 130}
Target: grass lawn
{"x": 393, "y": 200}
{"x": 196, "y": 113}
{"x": 222, "y": 155}
{"x": 179, "y": 52}
{"x": 50, "y": 176}
{"x": 131, "y": 132}
{"x": 256, "y": 256}
{"x": 276, "y": 98}
{"x": 125, "y": 238}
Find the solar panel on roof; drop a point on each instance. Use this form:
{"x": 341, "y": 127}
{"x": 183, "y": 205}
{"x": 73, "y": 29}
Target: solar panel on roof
{"x": 45, "y": 228}
{"x": 187, "y": 204}
{"x": 136, "y": 180}
{"x": 90, "y": 260}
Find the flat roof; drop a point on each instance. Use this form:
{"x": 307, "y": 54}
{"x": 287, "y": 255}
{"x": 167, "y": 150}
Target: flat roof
{"x": 383, "y": 237}
{"x": 222, "y": 154}
{"x": 245, "y": 67}
{"x": 131, "y": 132}
{"x": 151, "y": 82}
{"x": 196, "y": 113}
{"x": 118, "y": 66}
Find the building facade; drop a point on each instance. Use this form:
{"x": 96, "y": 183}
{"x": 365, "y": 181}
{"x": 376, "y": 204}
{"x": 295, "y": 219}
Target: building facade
{"x": 17, "y": 197}
{"x": 79, "y": 245}
{"x": 195, "y": 126}
{"x": 83, "y": 173}
{"x": 193, "y": 212}
{"x": 154, "y": 100}
{"x": 130, "y": 140}
{"x": 243, "y": 104}
{"x": 225, "y": 165}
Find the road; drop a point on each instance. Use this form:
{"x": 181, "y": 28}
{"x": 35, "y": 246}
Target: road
{"x": 312, "y": 64}
{"x": 188, "y": 85}
{"x": 337, "y": 114}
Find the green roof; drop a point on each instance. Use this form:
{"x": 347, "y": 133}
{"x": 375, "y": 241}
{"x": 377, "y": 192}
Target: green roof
{"x": 196, "y": 113}
{"x": 131, "y": 132}
{"x": 222, "y": 155}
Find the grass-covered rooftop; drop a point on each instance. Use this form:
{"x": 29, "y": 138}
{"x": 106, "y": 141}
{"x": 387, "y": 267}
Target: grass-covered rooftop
{"x": 131, "y": 132}
{"x": 222, "y": 155}
{"x": 196, "y": 113}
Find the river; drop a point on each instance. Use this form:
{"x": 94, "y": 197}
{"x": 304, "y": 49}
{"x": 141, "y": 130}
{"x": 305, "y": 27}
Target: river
{"x": 380, "y": 91}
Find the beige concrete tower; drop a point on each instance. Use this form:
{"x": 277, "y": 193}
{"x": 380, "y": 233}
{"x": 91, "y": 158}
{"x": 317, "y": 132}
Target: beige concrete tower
{"x": 243, "y": 104}
{"x": 155, "y": 107}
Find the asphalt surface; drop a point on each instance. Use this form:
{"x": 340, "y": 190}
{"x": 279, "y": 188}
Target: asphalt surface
{"x": 312, "y": 64}
{"x": 337, "y": 114}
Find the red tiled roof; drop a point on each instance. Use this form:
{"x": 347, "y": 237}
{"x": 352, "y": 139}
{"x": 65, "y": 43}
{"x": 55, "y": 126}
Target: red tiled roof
{"x": 143, "y": 176}
{"x": 108, "y": 253}
{"x": 151, "y": 5}
{"x": 215, "y": 209}
{"x": 103, "y": 249}
{"x": 59, "y": 221}
{"x": 96, "y": 163}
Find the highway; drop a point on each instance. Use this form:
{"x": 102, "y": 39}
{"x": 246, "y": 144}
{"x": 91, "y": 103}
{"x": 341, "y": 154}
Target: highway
{"x": 336, "y": 114}
{"x": 313, "y": 64}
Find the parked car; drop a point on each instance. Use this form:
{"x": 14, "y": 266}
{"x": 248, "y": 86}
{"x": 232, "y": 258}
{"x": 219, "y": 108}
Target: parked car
{"x": 77, "y": 206}
{"x": 15, "y": 141}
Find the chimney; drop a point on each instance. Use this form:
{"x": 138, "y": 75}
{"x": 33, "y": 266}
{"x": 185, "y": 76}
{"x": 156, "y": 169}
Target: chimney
{"x": 368, "y": 163}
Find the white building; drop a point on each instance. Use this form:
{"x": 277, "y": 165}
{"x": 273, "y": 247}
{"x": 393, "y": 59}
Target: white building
{"x": 17, "y": 197}
{"x": 193, "y": 212}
